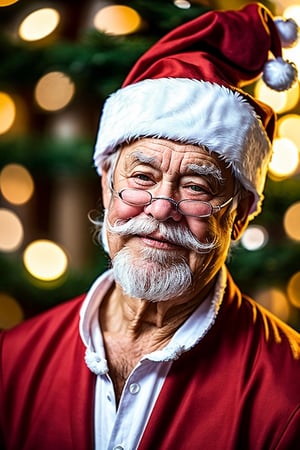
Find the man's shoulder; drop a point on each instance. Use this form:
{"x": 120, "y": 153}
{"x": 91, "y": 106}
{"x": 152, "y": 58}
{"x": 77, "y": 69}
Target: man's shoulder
{"x": 58, "y": 320}
{"x": 257, "y": 327}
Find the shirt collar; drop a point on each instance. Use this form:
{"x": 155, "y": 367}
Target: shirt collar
{"x": 186, "y": 337}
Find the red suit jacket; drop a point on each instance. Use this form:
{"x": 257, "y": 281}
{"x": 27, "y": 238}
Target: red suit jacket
{"x": 239, "y": 388}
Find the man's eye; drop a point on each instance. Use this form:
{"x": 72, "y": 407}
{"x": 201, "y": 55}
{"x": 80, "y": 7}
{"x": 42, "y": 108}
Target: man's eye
{"x": 198, "y": 189}
{"x": 142, "y": 179}
{"x": 142, "y": 176}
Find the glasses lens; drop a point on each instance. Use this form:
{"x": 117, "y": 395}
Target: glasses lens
{"x": 135, "y": 197}
{"x": 195, "y": 208}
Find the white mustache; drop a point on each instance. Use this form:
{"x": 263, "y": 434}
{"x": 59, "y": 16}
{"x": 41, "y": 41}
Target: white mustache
{"x": 173, "y": 233}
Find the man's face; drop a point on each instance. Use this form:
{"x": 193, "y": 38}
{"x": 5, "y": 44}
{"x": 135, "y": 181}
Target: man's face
{"x": 176, "y": 171}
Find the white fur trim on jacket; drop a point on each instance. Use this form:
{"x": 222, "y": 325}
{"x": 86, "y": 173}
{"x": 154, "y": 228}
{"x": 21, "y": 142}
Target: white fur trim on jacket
{"x": 191, "y": 111}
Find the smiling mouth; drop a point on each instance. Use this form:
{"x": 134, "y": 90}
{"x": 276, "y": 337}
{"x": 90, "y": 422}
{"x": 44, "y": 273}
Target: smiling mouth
{"x": 158, "y": 241}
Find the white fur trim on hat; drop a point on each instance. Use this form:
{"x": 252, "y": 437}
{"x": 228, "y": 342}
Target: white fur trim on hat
{"x": 191, "y": 111}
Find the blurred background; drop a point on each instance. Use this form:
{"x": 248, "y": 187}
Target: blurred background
{"x": 59, "y": 61}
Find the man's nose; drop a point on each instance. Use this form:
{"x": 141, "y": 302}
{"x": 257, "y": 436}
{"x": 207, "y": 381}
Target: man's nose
{"x": 163, "y": 208}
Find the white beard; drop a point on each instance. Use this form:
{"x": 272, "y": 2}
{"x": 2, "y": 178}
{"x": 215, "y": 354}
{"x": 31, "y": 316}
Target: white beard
{"x": 154, "y": 276}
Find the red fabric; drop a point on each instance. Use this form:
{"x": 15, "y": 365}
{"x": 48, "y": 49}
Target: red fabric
{"x": 46, "y": 390}
{"x": 237, "y": 389}
{"x": 226, "y": 47}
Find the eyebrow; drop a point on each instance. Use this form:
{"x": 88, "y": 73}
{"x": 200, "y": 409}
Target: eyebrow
{"x": 142, "y": 158}
{"x": 208, "y": 170}
{"x": 203, "y": 169}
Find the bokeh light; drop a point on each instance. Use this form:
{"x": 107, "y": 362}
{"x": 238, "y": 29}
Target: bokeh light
{"x": 54, "y": 91}
{"x": 293, "y": 55}
{"x": 7, "y": 2}
{"x": 7, "y": 112}
{"x": 291, "y": 221}
{"x": 255, "y": 237}
{"x": 285, "y": 159}
{"x": 280, "y": 101}
{"x": 117, "y": 20}
{"x": 293, "y": 290}
{"x": 45, "y": 260}
{"x": 182, "y": 4}
{"x": 11, "y": 231}
{"x": 288, "y": 126}
{"x": 39, "y": 24}
{"x": 292, "y": 11}
{"x": 11, "y": 313}
{"x": 16, "y": 184}
{"x": 275, "y": 301}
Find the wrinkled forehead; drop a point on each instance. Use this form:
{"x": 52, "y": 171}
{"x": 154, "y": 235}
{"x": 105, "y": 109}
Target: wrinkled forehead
{"x": 172, "y": 158}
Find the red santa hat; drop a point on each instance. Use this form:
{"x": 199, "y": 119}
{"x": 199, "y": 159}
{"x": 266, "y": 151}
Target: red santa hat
{"x": 187, "y": 88}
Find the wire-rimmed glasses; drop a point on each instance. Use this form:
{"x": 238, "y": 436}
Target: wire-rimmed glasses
{"x": 186, "y": 207}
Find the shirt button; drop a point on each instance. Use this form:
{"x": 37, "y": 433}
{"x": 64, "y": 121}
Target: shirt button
{"x": 118, "y": 447}
{"x": 134, "y": 388}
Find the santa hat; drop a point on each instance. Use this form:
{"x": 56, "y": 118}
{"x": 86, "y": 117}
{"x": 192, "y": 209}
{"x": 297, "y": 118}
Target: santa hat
{"x": 187, "y": 88}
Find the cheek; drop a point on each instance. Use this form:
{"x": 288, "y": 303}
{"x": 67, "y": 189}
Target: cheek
{"x": 199, "y": 228}
{"x": 119, "y": 210}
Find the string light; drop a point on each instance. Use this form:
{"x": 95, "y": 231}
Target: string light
{"x": 293, "y": 290}
{"x": 275, "y": 301}
{"x": 39, "y": 24}
{"x": 45, "y": 260}
{"x": 288, "y": 127}
{"x": 7, "y": 2}
{"x": 254, "y": 238}
{"x": 292, "y": 11}
{"x": 182, "y": 4}
{"x": 291, "y": 221}
{"x": 11, "y": 313}
{"x": 285, "y": 159}
{"x": 54, "y": 91}
{"x": 280, "y": 101}
{"x": 11, "y": 231}
{"x": 7, "y": 112}
{"x": 117, "y": 20}
{"x": 16, "y": 184}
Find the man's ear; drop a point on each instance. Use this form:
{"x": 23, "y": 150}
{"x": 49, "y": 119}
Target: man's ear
{"x": 242, "y": 217}
{"x": 105, "y": 185}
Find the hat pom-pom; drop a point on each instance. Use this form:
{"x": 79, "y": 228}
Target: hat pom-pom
{"x": 279, "y": 75}
{"x": 288, "y": 32}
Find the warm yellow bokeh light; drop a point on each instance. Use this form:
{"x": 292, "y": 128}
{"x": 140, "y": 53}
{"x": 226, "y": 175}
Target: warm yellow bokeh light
{"x": 7, "y": 2}
{"x": 39, "y": 24}
{"x": 280, "y": 101}
{"x": 254, "y": 238}
{"x": 11, "y": 231}
{"x": 7, "y": 112}
{"x": 275, "y": 301}
{"x": 11, "y": 313}
{"x": 16, "y": 184}
{"x": 292, "y": 12}
{"x": 288, "y": 127}
{"x": 291, "y": 221}
{"x": 54, "y": 91}
{"x": 293, "y": 55}
{"x": 45, "y": 260}
{"x": 117, "y": 20}
{"x": 293, "y": 290}
{"x": 285, "y": 159}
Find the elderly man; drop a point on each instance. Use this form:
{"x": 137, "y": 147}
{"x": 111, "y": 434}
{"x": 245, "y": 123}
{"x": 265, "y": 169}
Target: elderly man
{"x": 167, "y": 352}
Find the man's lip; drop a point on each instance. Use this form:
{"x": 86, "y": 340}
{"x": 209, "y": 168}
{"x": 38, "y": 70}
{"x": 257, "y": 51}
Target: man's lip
{"x": 158, "y": 239}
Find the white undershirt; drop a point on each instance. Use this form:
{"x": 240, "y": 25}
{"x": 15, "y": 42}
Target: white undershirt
{"x": 121, "y": 428}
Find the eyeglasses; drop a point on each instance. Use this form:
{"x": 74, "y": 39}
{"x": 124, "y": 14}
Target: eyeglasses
{"x": 186, "y": 207}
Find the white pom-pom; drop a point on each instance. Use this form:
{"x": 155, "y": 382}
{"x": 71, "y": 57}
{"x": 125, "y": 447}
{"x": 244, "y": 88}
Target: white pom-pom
{"x": 288, "y": 32}
{"x": 279, "y": 75}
